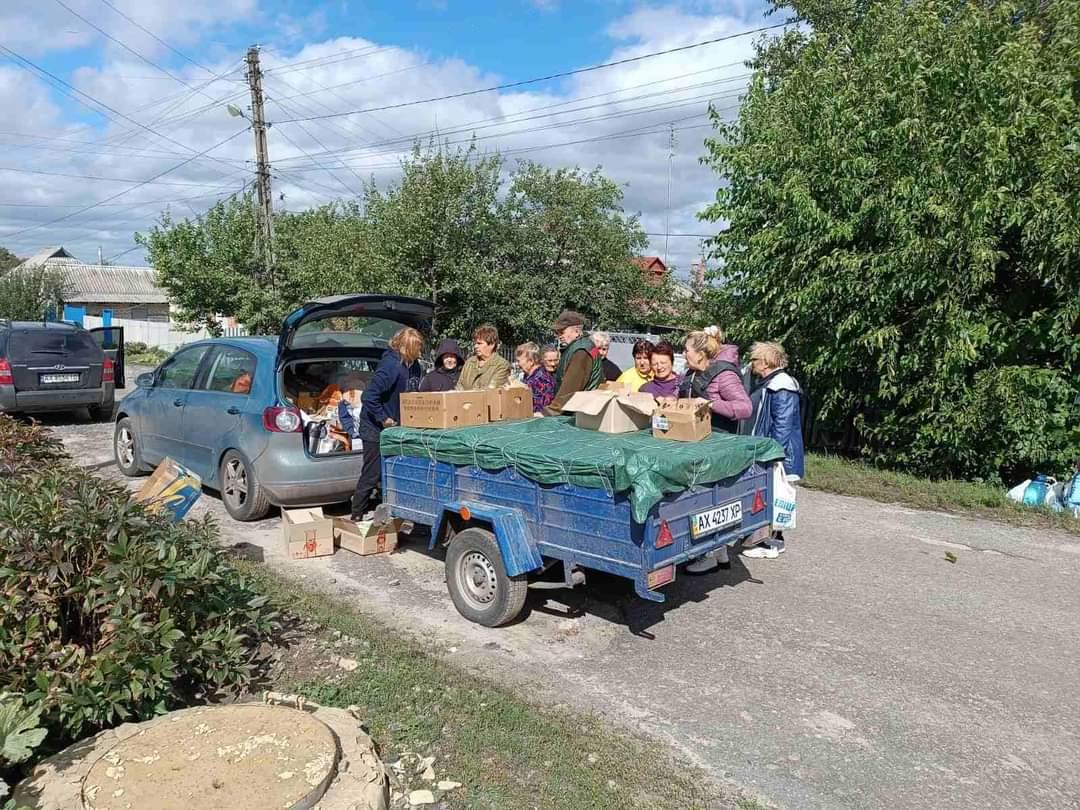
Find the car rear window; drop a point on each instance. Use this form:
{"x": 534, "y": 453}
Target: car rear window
{"x": 27, "y": 344}
{"x": 346, "y": 331}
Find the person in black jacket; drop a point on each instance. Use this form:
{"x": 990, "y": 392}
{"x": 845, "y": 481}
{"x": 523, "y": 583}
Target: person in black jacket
{"x": 610, "y": 370}
{"x": 448, "y": 361}
{"x": 398, "y": 372}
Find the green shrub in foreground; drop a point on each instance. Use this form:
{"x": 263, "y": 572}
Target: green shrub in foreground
{"x": 109, "y": 614}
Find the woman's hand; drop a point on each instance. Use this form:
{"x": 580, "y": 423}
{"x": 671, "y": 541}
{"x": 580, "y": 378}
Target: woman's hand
{"x": 388, "y": 422}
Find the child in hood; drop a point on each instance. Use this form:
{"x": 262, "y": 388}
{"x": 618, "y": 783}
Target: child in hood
{"x": 448, "y": 362}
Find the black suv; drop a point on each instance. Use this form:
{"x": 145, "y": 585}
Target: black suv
{"x": 59, "y": 367}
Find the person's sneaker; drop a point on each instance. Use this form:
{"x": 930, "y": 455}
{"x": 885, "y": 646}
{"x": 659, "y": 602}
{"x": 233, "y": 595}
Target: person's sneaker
{"x": 702, "y": 565}
{"x": 721, "y": 557}
{"x": 762, "y": 552}
{"x": 777, "y": 543}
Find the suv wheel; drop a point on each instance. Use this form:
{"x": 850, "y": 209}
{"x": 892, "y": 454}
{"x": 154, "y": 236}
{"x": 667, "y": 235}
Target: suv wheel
{"x": 244, "y": 499}
{"x": 126, "y": 449}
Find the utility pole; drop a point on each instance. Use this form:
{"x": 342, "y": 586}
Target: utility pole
{"x": 672, "y": 143}
{"x": 262, "y": 164}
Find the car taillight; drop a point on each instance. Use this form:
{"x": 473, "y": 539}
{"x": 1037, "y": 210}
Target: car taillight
{"x": 107, "y": 371}
{"x": 664, "y": 537}
{"x": 282, "y": 420}
{"x": 759, "y": 502}
{"x": 6, "y": 376}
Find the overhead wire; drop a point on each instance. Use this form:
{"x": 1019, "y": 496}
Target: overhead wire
{"x": 279, "y": 131}
{"x": 549, "y": 77}
{"x": 158, "y": 39}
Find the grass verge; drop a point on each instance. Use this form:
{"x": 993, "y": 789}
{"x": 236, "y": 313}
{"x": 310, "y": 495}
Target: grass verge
{"x": 508, "y": 752}
{"x": 845, "y": 477}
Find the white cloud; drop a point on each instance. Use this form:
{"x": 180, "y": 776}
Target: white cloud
{"x": 615, "y": 118}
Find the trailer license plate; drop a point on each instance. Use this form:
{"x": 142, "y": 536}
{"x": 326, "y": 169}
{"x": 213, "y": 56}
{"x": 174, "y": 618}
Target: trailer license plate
{"x": 721, "y": 517}
{"x": 47, "y": 379}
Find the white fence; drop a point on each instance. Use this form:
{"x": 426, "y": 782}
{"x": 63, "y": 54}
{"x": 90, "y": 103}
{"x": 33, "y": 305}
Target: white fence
{"x": 153, "y": 333}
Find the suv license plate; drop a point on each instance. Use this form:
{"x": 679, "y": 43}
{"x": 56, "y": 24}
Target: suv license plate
{"x": 47, "y": 379}
{"x": 721, "y": 517}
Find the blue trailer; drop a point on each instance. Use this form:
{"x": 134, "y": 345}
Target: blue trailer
{"x": 500, "y": 528}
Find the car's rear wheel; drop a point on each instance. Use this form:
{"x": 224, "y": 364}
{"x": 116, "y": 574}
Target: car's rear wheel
{"x": 477, "y": 580}
{"x": 244, "y": 499}
{"x": 126, "y": 449}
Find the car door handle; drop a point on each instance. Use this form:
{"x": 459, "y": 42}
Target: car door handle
{"x": 179, "y": 403}
{"x": 233, "y": 410}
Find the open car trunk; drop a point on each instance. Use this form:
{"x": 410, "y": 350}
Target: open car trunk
{"x": 327, "y": 353}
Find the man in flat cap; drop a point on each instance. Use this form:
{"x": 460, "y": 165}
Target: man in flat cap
{"x": 579, "y": 366}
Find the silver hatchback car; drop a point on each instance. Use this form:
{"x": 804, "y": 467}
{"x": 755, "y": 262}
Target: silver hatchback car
{"x": 230, "y": 409}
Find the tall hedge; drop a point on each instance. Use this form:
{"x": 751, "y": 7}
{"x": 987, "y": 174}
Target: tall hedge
{"x": 903, "y": 191}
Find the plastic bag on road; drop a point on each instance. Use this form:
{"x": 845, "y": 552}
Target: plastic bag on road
{"x": 1042, "y": 490}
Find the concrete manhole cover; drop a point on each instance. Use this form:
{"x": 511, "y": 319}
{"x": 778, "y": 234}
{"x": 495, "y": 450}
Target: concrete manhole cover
{"x": 226, "y": 757}
{"x": 235, "y": 757}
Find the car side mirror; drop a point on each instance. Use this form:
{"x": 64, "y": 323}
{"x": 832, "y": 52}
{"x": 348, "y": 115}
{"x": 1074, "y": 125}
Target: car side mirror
{"x": 145, "y": 380}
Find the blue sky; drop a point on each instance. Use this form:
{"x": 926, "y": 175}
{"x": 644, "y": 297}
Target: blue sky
{"x": 345, "y": 55}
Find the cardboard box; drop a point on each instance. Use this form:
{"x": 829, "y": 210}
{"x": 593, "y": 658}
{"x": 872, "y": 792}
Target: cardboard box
{"x": 688, "y": 420}
{"x": 366, "y": 537}
{"x": 444, "y": 409}
{"x": 172, "y": 490}
{"x": 307, "y": 533}
{"x": 610, "y": 411}
{"x": 509, "y": 404}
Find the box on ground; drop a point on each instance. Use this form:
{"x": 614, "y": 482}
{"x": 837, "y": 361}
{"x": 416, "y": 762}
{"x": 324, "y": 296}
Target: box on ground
{"x": 509, "y": 404}
{"x": 307, "y": 533}
{"x": 688, "y": 420}
{"x": 610, "y": 411}
{"x": 444, "y": 409}
{"x": 172, "y": 490}
{"x": 367, "y": 536}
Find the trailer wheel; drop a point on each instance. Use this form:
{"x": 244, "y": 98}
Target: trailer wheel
{"x": 477, "y": 580}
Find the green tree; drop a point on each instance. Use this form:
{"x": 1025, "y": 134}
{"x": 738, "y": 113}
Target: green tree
{"x": 570, "y": 244}
{"x": 28, "y": 294}
{"x": 902, "y": 191}
{"x": 8, "y": 259}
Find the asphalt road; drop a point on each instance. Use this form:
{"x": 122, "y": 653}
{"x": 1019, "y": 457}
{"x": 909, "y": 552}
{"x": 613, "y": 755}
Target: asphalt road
{"x": 862, "y": 669}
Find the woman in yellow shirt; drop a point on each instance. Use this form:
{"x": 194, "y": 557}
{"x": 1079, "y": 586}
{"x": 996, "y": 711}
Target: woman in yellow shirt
{"x": 641, "y": 372}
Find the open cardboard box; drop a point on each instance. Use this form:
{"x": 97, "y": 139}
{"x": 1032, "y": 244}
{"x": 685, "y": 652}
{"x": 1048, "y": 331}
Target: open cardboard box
{"x": 307, "y": 533}
{"x": 687, "y": 420}
{"x": 444, "y": 409}
{"x": 367, "y": 536}
{"x": 171, "y": 490}
{"x": 610, "y": 411}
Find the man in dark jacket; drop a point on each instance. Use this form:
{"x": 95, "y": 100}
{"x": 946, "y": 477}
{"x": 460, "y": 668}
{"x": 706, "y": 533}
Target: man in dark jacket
{"x": 448, "y": 360}
{"x": 608, "y": 367}
{"x": 579, "y": 366}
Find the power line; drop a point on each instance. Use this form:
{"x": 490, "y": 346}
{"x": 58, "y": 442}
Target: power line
{"x": 145, "y": 30}
{"x": 107, "y": 179}
{"x": 331, "y": 59}
{"x": 564, "y": 74}
{"x": 125, "y": 191}
{"x": 314, "y": 160}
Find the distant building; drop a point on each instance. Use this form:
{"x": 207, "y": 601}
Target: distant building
{"x": 129, "y": 292}
{"x": 653, "y": 267}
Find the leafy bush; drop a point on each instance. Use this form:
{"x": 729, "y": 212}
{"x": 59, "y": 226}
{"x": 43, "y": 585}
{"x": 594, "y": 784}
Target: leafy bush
{"x": 20, "y": 734}
{"x": 26, "y": 447}
{"x": 110, "y": 614}
{"x": 901, "y": 191}
{"x": 143, "y": 355}
{"x": 27, "y": 295}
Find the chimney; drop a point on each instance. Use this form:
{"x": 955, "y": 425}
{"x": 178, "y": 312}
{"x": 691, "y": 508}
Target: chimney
{"x": 697, "y": 273}
{"x": 100, "y": 258}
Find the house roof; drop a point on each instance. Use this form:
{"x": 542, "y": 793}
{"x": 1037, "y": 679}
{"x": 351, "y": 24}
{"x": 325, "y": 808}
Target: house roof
{"x": 103, "y": 284}
{"x": 652, "y": 263}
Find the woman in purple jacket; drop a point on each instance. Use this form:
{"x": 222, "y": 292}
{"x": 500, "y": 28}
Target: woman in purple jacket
{"x": 665, "y": 382}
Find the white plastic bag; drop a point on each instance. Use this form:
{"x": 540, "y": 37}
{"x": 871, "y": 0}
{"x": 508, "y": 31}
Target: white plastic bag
{"x": 784, "y": 502}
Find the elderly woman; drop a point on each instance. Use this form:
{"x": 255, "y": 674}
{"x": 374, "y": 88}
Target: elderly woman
{"x": 540, "y": 382}
{"x": 665, "y": 383}
{"x": 641, "y": 372}
{"x": 602, "y": 342}
{"x": 713, "y": 373}
{"x": 398, "y": 372}
{"x": 485, "y": 368}
{"x": 778, "y": 415}
{"x": 549, "y": 357}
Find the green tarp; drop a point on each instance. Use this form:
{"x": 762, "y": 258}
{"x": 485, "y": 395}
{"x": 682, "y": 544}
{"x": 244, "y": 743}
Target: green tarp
{"x": 553, "y": 451}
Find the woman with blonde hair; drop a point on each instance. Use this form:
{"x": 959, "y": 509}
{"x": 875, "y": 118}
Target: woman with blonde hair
{"x": 712, "y": 373}
{"x": 399, "y": 371}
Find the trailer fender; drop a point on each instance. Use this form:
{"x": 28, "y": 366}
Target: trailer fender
{"x": 519, "y": 552}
